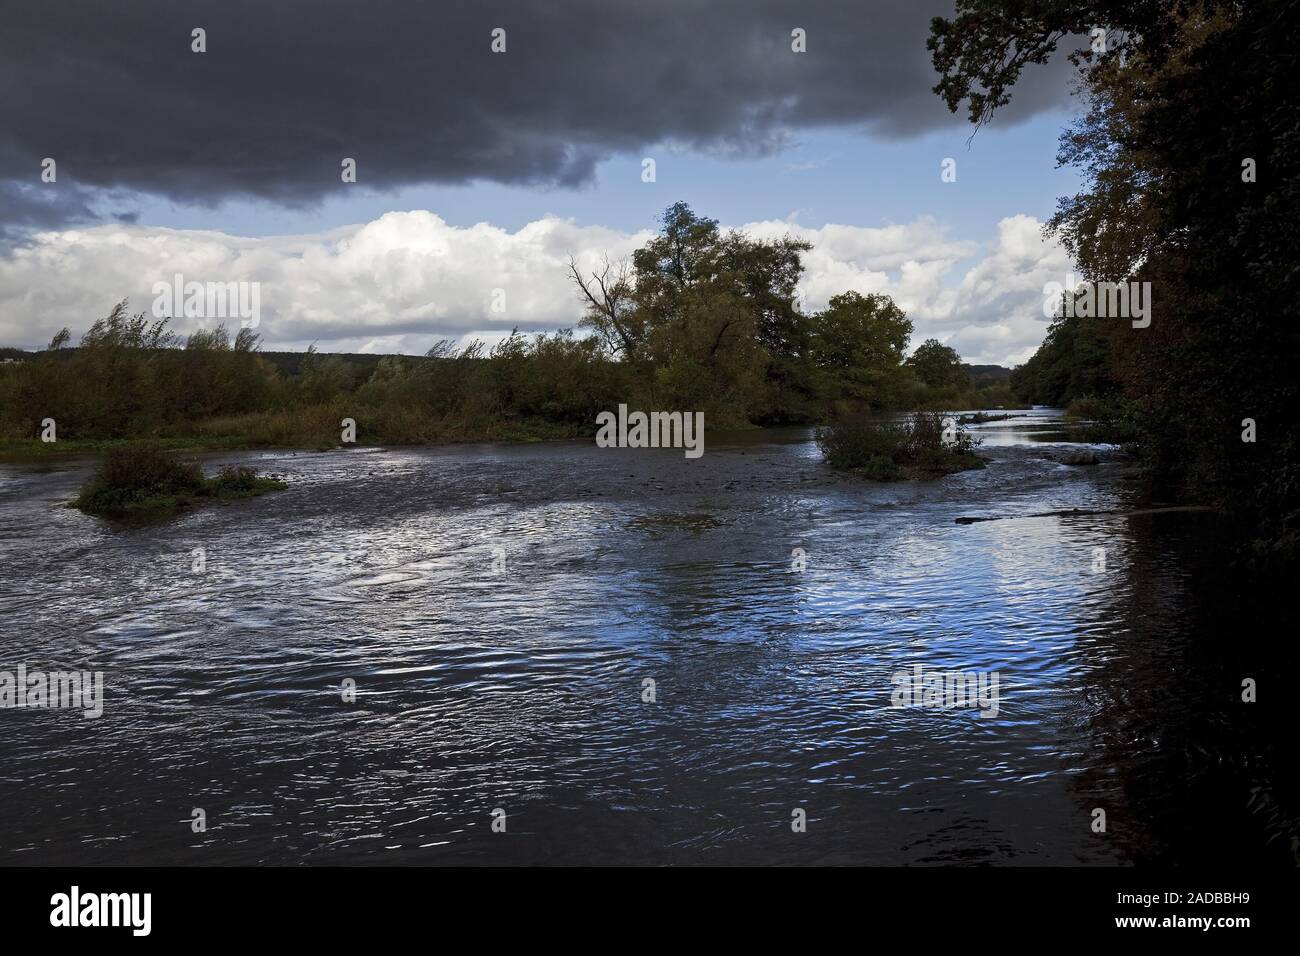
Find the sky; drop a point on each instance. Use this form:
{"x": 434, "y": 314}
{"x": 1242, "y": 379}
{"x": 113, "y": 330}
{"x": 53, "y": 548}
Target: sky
{"x": 480, "y": 171}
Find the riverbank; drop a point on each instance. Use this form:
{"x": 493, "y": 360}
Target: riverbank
{"x": 33, "y": 449}
{"x": 320, "y": 429}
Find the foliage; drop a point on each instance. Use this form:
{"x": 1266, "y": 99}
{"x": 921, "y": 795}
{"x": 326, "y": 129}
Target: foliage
{"x": 939, "y": 366}
{"x": 700, "y": 319}
{"x": 858, "y": 344}
{"x": 1184, "y": 95}
{"x": 886, "y": 450}
{"x": 1074, "y": 360}
{"x": 144, "y": 477}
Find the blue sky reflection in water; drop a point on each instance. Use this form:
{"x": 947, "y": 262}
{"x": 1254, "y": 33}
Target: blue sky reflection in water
{"x": 522, "y": 690}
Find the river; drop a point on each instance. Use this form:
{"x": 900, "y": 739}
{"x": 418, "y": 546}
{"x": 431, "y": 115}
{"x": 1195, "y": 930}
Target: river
{"x": 503, "y": 608}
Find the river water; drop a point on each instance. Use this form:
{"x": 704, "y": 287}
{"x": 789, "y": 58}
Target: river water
{"x": 501, "y": 609}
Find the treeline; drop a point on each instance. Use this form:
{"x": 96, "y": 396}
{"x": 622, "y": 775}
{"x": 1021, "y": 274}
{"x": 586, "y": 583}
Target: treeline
{"x": 1188, "y": 147}
{"x": 132, "y": 378}
{"x": 1073, "y": 362}
{"x": 698, "y": 320}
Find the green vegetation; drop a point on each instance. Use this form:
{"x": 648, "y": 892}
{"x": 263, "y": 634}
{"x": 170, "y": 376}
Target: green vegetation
{"x": 1189, "y": 147}
{"x": 1073, "y": 361}
{"x": 34, "y": 449}
{"x": 700, "y": 319}
{"x": 886, "y": 451}
{"x": 136, "y": 479}
{"x": 946, "y": 383}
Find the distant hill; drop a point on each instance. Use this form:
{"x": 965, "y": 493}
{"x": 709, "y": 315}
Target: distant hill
{"x": 987, "y": 374}
{"x": 364, "y": 363}
{"x": 288, "y": 362}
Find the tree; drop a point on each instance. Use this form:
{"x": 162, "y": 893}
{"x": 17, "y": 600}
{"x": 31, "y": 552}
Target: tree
{"x": 690, "y": 254}
{"x": 684, "y": 254}
{"x": 1190, "y": 152}
{"x": 858, "y": 340}
{"x": 1073, "y": 362}
{"x": 939, "y": 366}
{"x": 713, "y": 315}
{"x": 610, "y": 309}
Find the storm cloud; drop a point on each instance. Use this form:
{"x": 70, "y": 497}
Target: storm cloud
{"x": 414, "y": 92}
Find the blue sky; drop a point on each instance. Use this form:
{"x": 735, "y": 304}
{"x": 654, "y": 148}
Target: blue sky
{"x": 831, "y": 176}
{"x": 824, "y": 176}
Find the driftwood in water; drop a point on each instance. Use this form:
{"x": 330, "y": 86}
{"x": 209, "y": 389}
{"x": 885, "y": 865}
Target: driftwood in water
{"x": 1082, "y": 512}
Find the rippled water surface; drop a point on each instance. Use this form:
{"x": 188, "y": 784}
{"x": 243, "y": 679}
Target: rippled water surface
{"x": 521, "y": 689}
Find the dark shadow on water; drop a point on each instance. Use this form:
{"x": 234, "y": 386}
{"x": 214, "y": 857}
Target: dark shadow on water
{"x": 1187, "y": 771}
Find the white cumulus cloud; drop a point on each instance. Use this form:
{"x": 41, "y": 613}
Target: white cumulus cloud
{"x": 406, "y": 279}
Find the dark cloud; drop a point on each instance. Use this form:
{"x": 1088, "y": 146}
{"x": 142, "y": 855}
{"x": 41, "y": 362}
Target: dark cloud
{"x": 28, "y": 205}
{"x": 411, "y": 89}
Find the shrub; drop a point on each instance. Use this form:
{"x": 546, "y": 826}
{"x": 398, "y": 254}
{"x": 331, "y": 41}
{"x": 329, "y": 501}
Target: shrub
{"x": 144, "y": 477}
{"x": 1110, "y": 419}
{"x": 883, "y": 451}
{"x": 130, "y": 475}
{"x": 236, "y": 480}
{"x": 856, "y": 443}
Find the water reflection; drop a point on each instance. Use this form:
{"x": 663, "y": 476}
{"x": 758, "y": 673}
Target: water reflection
{"x": 523, "y": 689}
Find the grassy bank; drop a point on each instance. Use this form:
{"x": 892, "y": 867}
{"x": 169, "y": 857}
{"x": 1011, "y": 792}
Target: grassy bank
{"x": 144, "y": 479}
{"x": 304, "y": 429}
{"x": 33, "y": 449}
